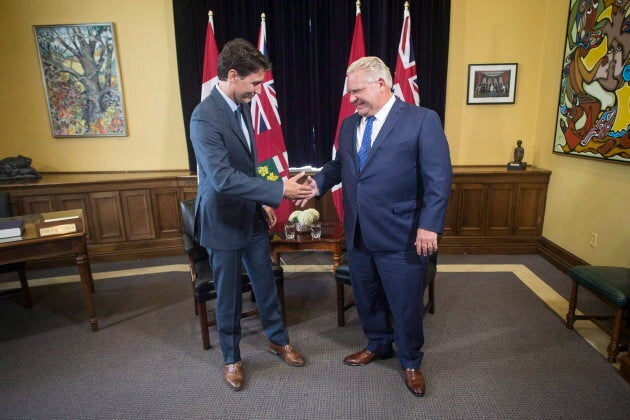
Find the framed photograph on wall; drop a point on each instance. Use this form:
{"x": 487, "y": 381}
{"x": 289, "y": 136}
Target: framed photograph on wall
{"x": 593, "y": 111}
{"x": 491, "y": 83}
{"x": 79, "y": 66}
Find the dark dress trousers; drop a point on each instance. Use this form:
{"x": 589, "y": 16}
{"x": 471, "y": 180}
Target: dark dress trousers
{"x": 229, "y": 221}
{"x": 404, "y": 186}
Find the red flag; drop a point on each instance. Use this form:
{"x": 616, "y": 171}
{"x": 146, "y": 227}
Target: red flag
{"x": 210, "y": 60}
{"x": 273, "y": 163}
{"x": 405, "y": 77}
{"x": 357, "y": 50}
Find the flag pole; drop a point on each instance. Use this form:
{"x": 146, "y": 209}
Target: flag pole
{"x": 273, "y": 162}
{"x": 405, "y": 77}
{"x": 210, "y": 59}
{"x": 357, "y": 50}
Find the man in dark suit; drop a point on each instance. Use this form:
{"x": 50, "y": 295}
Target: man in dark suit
{"x": 233, "y": 206}
{"x": 394, "y": 162}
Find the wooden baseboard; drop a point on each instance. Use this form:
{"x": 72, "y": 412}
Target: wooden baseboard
{"x": 558, "y": 256}
{"x": 488, "y": 245}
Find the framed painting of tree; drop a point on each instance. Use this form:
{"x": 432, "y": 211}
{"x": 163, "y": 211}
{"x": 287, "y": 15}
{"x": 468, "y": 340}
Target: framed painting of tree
{"x": 81, "y": 78}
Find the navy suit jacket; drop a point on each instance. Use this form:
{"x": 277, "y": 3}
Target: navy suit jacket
{"x": 229, "y": 193}
{"x": 404, "y": 185}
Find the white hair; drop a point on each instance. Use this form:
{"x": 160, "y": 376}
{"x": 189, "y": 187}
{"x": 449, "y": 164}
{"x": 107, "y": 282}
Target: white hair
{"x": 374, "y": 68}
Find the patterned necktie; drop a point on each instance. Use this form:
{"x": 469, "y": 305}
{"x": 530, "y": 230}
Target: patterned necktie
{"x": 366, "y": 143}
{"x": 237, "y": 113}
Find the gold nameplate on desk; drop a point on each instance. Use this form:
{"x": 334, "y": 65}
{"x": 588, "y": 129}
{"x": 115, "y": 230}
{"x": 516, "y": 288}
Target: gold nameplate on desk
{"x": 58, "y": 225}
{"x": 58, "y": 229}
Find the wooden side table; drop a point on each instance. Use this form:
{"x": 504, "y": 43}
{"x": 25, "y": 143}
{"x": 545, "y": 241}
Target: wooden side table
{"x": 332, "y": 241}
{"x": 32, "y": 247}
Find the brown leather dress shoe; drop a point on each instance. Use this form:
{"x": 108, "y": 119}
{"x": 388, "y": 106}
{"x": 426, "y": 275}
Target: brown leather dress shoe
{"x": 414, "y": 379}
{"x": 233, "y": 375}
{"x": 288, "y": 354}
{"x": 363, "y": 357}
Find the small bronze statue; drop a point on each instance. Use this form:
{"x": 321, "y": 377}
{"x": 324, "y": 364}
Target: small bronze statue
{"x": 519, "y": 153}
{"x": 17, "y": 168}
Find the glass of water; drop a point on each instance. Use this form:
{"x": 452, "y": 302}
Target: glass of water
{"x": 316, "y": 230}
{"x": 289, "y": 230}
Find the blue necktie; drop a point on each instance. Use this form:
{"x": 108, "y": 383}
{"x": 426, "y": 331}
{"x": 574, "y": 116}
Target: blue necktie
{"x": 366, "y": 143}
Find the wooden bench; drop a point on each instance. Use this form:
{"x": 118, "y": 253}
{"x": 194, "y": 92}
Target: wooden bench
{"x": 610, "y": 284}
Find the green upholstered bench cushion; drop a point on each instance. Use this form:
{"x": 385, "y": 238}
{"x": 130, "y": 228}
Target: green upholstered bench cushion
{"x": 612, "y": 283}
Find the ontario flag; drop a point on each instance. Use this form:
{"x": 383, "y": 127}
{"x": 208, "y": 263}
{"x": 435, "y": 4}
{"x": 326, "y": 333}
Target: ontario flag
{"x": 405, "y": 77}
{"x": 210, "y": 60}
{"x": 357, "y": 50}
{"x": 273, "y": 163}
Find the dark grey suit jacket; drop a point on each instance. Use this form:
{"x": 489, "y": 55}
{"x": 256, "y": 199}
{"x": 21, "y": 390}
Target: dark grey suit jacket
{"x": 229, "y": 194}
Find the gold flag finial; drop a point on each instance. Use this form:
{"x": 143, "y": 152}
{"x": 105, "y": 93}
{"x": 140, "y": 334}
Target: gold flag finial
{"x": 263, "y": 16}
{"x": 358, "y": 3}
{"x": 406, "y": 6}
{"x": 210, "y": 14}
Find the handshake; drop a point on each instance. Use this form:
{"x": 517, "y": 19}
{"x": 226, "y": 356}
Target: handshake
{"x": 300, "y": 193}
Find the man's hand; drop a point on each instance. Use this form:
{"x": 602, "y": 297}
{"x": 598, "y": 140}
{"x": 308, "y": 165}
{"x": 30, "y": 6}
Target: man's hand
{"x": 426, "y": 242}
{"x": 270, "y": 215}
{"x": 310, "y": 182}
{"x": 293, "y": 190}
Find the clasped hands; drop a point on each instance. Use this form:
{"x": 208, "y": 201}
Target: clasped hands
{"x": 296, "y": 192}
{"x": 300, "y": 193}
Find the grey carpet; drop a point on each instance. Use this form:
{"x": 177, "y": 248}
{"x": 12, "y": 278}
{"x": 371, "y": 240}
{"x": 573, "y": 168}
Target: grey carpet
{"x": 493, "y": 350}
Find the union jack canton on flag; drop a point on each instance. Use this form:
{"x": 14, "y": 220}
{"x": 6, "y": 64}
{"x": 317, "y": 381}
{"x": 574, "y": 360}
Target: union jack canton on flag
{"x": 405, "y": 78}
{"x": 273, "y": 163}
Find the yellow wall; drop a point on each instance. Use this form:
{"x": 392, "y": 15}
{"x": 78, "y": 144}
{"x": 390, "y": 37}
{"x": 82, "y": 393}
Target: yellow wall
{"x": 148, "y": 64}
{"x": 584, "y": 195}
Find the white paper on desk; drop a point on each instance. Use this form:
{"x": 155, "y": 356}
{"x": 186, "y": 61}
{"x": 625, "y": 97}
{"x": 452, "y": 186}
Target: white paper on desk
{"x": 57, "y": 219}
{"x": 10, "y": 239}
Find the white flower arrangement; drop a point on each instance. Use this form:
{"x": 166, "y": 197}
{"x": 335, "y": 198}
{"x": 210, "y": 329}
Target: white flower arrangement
{"x": 304, "y": 218}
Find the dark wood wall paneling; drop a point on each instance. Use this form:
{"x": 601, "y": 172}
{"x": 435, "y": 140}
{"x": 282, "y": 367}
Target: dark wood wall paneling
{"x": 128, "y": 216}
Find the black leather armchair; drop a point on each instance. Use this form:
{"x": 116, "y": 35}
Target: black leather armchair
{"x": 201, "y": 274}
{"x": 6, "y": 211}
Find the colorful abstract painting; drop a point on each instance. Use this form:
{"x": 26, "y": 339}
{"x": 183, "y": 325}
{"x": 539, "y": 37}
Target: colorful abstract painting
{"x": 81, "y": 79}
{"x": 594, "y": 108}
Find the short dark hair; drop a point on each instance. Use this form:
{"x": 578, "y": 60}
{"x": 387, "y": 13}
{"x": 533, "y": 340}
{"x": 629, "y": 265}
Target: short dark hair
{"x": 240, "y": 55}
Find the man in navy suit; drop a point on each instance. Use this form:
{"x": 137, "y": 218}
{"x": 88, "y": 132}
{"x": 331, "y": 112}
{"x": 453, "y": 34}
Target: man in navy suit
{"x": 233, "y": 206}
{"x": 394, "y": 162}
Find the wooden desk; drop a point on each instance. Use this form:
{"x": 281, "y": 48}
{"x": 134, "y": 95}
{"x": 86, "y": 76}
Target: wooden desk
{"x": 332, "y": 241}
{"x": 33, "y": 247}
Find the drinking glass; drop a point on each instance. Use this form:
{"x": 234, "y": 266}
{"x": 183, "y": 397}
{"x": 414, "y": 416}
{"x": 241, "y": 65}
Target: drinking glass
{"x": 289, "y": 230}
{"x": 316, "y": 230}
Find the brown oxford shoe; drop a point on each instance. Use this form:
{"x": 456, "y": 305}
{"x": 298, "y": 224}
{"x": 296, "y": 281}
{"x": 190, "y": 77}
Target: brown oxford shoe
{"x": 363, "y": 357}
{"x": 233, "y": 375}
{"x": 288, "y": 354}
{"x": 414, "y": 379}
